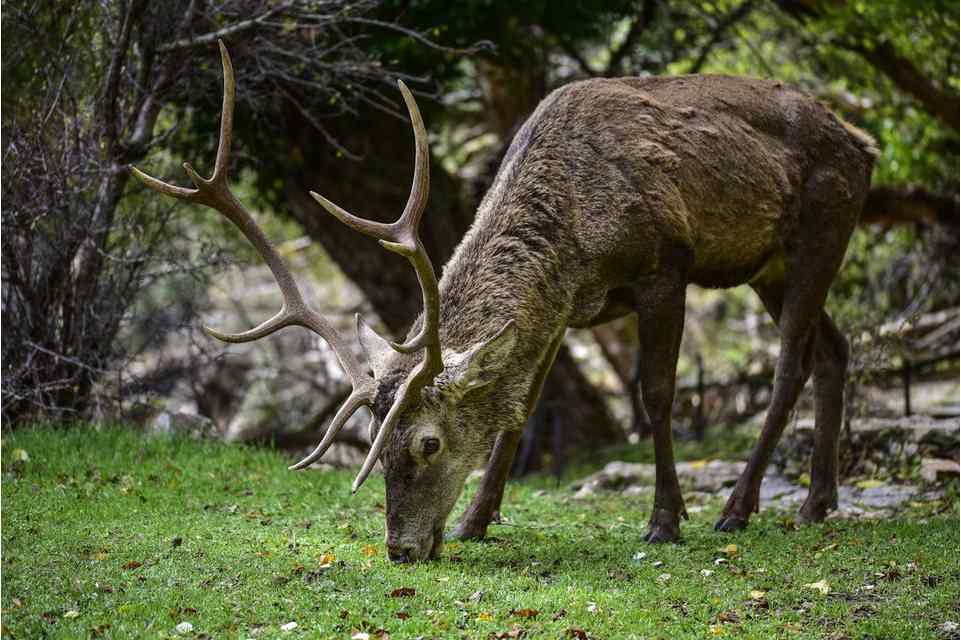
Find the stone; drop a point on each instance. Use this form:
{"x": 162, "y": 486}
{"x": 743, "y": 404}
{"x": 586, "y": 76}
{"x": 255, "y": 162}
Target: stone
{"x": 935, "y": 469}
{"x": 183, "y": 424}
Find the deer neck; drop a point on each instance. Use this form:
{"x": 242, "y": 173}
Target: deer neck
{"x": 510, "y": 266}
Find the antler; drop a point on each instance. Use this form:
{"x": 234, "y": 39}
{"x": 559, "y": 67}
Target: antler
{"x": 400, "y": 237}
{"x": 215, "y": 193}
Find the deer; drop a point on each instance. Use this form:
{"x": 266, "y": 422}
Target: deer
{"x": 613, "y": 197}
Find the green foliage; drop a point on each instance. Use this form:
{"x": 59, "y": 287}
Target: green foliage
{"x": 106, "y": 534}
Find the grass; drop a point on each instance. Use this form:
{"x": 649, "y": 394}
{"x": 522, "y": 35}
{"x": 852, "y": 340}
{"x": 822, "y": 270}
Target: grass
{"x": 108, "y": 534}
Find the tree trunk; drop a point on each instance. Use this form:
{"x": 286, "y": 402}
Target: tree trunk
{"x": 377, "y": 188}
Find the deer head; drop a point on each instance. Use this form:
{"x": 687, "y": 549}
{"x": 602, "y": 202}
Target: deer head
{"x": 417, "y": 402}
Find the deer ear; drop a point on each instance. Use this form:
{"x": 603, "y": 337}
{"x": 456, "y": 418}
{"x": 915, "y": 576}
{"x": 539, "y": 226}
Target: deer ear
{"x": 484, "y": 361}
{"x": 376, "y": 349}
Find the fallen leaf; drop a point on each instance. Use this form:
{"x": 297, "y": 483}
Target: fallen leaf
{"x": 578, "y": 634}
{"x": 707, "y": 573}
{"x": 133, "y": 564}
{"x": 758, "y": 595}
{"x": 403, "y": 592}
{"x": 401, "y": 615}
{"x": 327, "y": 559}
{"x": 485, "y": 616}
{"x": 716, "y": 629}
{"x": 360, "y": 635}
{"x": 369, "y": 551}
{"x": 20, "y": 455}
{"x": 729, "y": 550}
{"x": 100, "y": 555}
{"x": 525, "y": 613}
{"x": 73, "y": 613}
{"x": 820, "y": 585}
{"x": 184, "y": 628}
{"x": 869, "y": 484}
{"x": 560, "y": 614}
{"x": 290, "y": 626}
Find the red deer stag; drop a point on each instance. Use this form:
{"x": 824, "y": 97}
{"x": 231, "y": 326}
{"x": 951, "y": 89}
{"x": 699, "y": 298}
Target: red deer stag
{"x": 614, "y": 196}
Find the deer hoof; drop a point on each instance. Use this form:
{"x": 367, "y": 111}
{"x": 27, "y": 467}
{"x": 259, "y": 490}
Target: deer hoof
{"x": 731, "y": 523}
{"x": 664, "y": 527}
{"x": 466, "y": 531}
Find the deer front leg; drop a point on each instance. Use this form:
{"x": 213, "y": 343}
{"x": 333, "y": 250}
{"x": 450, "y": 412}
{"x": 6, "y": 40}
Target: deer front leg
{"x": 485, "y": 506}
{"x": 661, "y": 321}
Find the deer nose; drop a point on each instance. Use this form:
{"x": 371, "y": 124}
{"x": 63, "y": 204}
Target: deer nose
{"x": 399, "y": 553}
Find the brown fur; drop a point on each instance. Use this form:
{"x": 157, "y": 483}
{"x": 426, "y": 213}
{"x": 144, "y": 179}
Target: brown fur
{"x": 614, "y": 195}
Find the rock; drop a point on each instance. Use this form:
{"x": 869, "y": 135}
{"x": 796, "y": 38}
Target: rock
{"x": 934, "y": 469}
{"x": 949, "y": 630}
{"x": 183, "y": 424}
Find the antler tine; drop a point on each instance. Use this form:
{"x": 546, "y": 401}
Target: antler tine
{"x": 403, "y": 237}
{"x": 214, "y": 192}
{"x": 353, "y": 402}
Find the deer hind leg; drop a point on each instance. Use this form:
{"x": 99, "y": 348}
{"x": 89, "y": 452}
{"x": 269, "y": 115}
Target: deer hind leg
{"x": 830, "y": 371}
{"x": 796, "y": 300}
{"x": 661, "y": 320}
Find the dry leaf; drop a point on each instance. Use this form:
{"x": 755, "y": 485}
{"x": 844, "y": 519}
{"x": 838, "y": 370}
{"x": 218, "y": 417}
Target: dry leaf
{"x": 403, "y": 592}
{"x": 525, "y": 613}
{"x": 485, "y": 616}
{"x": 577, "y": 634}
{"x": 73, "y": 613}
{"x": 758, "y": 595}
{"x": 730, "y": 550}
{"x": 327, "y": 558}
{"x": 360, "y": 635}
{"x": 820, "y": 585}
{"x": 290, "y": 626}
{"x": 369, "y": 551}
{"x": 133, "y": 564}
{"x": 401, "y": 615}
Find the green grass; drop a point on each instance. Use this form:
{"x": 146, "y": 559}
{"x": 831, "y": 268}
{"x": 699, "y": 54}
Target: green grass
{"x": 108, "y": 534}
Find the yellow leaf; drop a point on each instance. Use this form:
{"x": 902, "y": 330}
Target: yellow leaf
{"x": 869, "y": 484}
{"x": 820, "y": 585}
{"x": 716, "y": 629}
{"x": 369, "y": 550}
{"x": 758, "y": 595}
{"x": 485, "y": 616}
{"x": 327, "y": 558}
{"x": 20, "y": 455}
{"x": 73, "y": 613}
{"x": 730, "y": 550}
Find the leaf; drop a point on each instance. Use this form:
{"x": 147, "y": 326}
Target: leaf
{"x": 403, "y": 592}
{"x": 290, "y": 626}
{"x": 327, "y": 559}
{"x": 485, "y": 616}
{"x": 401, "y": 615}
{"x": 525, "y": 613}
{"x": 820, "y": 585}
{"x": 369, "y": 551}
{"x": 577, "y": 634}
{"x": 869, "y": 484}
{"x": 20, "y": 455}
{"x": 729, "y": 550}
{"x": 758, "y": 595}
{"x": 73, "y": 613}
{"x": 133, "y": 564}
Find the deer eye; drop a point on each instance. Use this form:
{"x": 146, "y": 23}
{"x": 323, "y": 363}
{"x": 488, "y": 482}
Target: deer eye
{"x": 430, "y": 446}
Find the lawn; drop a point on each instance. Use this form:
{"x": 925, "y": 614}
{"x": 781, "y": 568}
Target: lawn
{"x": 109, "y": 534}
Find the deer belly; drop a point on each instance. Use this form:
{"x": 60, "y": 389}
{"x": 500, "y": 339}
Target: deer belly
{"x": 727, "y": 257}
